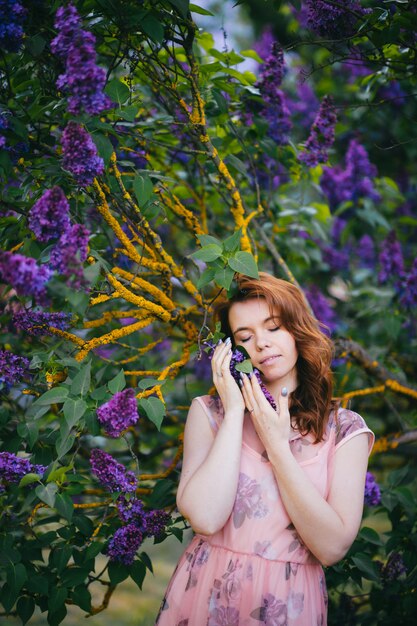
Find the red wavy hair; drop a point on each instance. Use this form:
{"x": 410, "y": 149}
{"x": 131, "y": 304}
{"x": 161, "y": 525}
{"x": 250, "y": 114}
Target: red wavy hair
{"x": 311, "y": 401}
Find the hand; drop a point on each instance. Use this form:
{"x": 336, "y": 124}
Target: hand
{"x": 226, "y": 386}
{"x": 272, "y": 427}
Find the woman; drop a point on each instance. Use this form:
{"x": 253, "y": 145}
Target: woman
{"x": 272, "y": 495}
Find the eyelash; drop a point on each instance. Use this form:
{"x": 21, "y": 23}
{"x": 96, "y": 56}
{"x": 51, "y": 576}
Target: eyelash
{"x": 272, "y": 330}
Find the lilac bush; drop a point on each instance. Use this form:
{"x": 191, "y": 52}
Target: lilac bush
{"x": 49, "y": 217}
{"x": 119, "y": 413}
{"x": 79, "y": 153}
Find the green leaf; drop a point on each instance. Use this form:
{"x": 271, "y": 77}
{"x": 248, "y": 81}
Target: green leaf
{"x": 370, "y": 535}
{"x": 162, "y": 494}
{"x": 206, "y": 277}
{"x": 367, "y": 567}
{"x": 80, "y": 386}
{"x": 119, "y": 92}
{"x": 147, "y": 561}
{"x": 57, "y": 597}
{"x": 16, "y": 577}
{"x": 224, "y": 277}
{"x": 153, "y": 28}
{"x": 147, "y": 383}
{"x": 237, "y": 164}
{"x": 82, "y": 598}
{"x": 194, "y": 8}
{"x": 28, "y": 479}
{"x": 182, "y": 6}
{"x": 118, "y": 383}
{"x": 154, "y": 409}
{"x": 64, "y": 443}
{"x": 25, "y": 608}
{"x": 244, "y": 263}
{"x": 104, "y": 146}
{"x": 208, "y": 253}
{"x": 47, "y": 493}
{"x": 232, "y": 243}
{"x": 143, "y": 188}
{"x": 137, "y": 572}
{"x": 207, "y": 239}
{"x": 251, "y": 54}
{"x": 117, "y": 572}
{"x": 73, "y": 411}
{"x": 64, "y": 506}
{"x": 245, "y": 366}
{"x": 74, "y": 576}
{"x": 52, "y": 396}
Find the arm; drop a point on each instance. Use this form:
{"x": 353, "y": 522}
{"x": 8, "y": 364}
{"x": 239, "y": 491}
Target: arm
{"x": 327, "y": 527}
{"x": 211, "y": 462}
{"x": 210, "y": 470}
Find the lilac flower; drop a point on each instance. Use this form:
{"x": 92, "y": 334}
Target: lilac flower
{"x": 80, "y": 154}
{"x": 394, "y": 567}
{"x": 69, "y": 253}
{"x": 408, "y": 297}
{"x": 391, "y": 260}
{"x": 12, "y": 16}
{"x": 67, "y": 23}
{"x": 321, "y": 135}
{"x": 337, "y": 258}
{"x": 37, "y": 323}
{"x": 12, "y": 368}
{"x": 305, "y": 106}
{"x": 264, "y": 44}
{"x": 4, "y": 125}
{"x": 132, "y": 512}
{"x": 49, "y": 216}
{"x": 372, "y": 491}
{"x": 332, "y": 21}
{"x": 112, "y": 475}
{"x": 275, "y": 109}
{"x": 24, "y": 275}
{"x": 83, "y": 80}
{"x": 124, "y": 544}
{"x": 156, "y": 522}
{"x": 352, "y": 182}
{"x": 13, "y": 468}
{"x": 366, "y": 251}
{"x": 118, "y": 413}
{"x": 321, "y": 308}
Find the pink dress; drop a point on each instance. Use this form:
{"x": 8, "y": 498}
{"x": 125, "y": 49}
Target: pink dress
{"x": 256, "y": 570}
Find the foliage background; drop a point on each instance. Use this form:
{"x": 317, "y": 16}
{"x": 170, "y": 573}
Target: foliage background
{"x": 199, "y": 151}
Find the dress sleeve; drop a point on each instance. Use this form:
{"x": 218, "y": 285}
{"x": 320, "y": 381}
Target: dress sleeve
{"x": 348, "y": 425}
{"x": 213, "y": 408}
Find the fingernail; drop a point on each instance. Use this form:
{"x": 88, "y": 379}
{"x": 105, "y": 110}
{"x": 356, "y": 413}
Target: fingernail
{"x": 228, "y": 340}
{"x": 241, "y": 375}
{"x": 284, "y": 391}
{"x": 219, "y": 342}
{"x": 240, "y": 383}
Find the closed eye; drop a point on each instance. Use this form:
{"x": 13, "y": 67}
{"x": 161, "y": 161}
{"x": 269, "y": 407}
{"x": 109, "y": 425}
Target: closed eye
{"x": 274, "y": 329}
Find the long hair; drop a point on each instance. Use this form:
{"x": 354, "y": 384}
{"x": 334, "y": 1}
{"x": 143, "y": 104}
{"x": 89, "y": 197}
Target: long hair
{"x": 311, "y": 401}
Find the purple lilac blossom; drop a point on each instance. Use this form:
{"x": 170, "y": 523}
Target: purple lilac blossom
{"x": 111, "y": 474}
{"x": 4, "y": 125}
{"x": 408, "y": 297}
{"x": 391, "y": 260}
{"x": 366, "y": 252}
{"x": 49, "y": 216}
{"x": 321, "y": 308}
{"x": 352, "y": 182}
{"x": 394, "y": 567}
{"x": 336, "y": 258}
{"x": 156, "y": 522}
{"x": 69, "y": 253}
{"x": 37, "y": 323}
{"x": 305, "y": 106}
{"x": 318, "y": 144}
{"x": 124, "y": 544}
{"x": 12, "y": 368}
{"x": 372, "y": 491}
{"x": 83, "y": 80}
{"x": 120, "y": 412}
{"x": 13, "y": 468}
{"x": 328, "y": 20}
{"x": 132, "y": 512}
{"x": 80, "y": 156}
{"x": 12, "y": 16}
{"x": 264, "y": 44}
{"x": 24, "y": 275}
{"x": 275, "y": 109}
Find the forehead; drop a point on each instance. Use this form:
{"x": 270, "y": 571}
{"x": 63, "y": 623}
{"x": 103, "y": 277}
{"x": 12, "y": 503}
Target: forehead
{"x": 253, "y": 310}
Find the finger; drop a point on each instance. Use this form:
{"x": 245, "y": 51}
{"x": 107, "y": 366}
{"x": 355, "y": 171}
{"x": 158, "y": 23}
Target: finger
{"x": 250, "y": 400}
{"x": 283, "y": 408}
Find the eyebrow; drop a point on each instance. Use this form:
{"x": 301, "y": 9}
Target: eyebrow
{"x": 268, "y": 319}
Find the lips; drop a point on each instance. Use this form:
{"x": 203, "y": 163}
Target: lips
{"x": 270, "y": 359}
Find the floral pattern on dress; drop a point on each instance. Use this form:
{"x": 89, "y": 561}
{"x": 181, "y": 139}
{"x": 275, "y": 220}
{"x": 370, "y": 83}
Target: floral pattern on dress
{"x": 248, "y": 502}
{"x": 265, "y": 549}
{"x": 296, "y": 546}
{"x": 273, "y": 612}
{"x": 228, "y": 588}
{"x": 196, "y": 559}
{"x": 295, "y": 604}
{"x": 291, "y": 569}
{"x": 223, "y": 616}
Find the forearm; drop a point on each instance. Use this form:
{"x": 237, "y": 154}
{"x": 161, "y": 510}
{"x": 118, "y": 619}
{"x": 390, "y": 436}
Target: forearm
{"x": 324, "y": 532}
{"x": 206, "y": 498}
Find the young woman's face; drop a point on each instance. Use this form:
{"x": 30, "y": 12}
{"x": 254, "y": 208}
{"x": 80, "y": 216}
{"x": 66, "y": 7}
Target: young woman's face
{"x": 270, "y": 346}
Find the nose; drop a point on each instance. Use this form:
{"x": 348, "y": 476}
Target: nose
{"x": 262, "y": 342}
